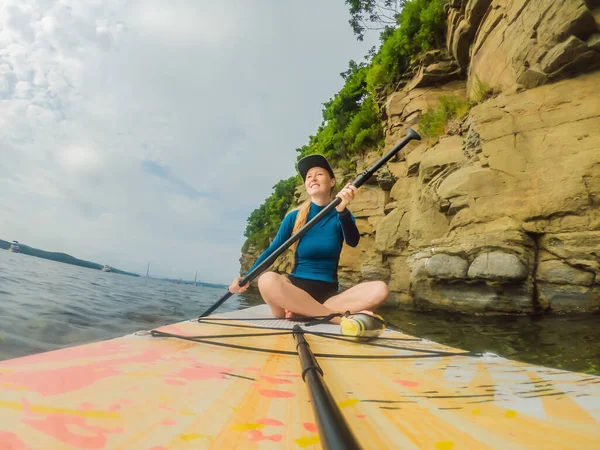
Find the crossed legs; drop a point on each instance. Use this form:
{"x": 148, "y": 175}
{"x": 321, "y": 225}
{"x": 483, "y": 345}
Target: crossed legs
{"x": 282, "y": 296}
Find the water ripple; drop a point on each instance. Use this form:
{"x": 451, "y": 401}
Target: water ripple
{"x": 45, "y": 305}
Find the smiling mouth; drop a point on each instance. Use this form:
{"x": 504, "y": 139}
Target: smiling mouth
{"x": 313, "y": 185}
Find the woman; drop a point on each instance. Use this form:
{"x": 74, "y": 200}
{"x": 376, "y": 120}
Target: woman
{"x": 311, "y": 289}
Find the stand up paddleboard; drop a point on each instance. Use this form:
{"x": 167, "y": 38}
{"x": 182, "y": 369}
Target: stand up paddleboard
{"x": 235, "y": 380}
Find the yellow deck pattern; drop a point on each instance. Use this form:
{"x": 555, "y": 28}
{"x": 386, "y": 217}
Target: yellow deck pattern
{"x": 154, "y": 393}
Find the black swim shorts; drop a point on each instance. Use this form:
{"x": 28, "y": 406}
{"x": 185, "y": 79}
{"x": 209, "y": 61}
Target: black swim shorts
{"x": 321, "y": 291}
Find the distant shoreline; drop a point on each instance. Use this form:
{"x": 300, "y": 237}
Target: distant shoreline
{"x": 68, "y": 259}
{"x": 199, "y": 283}
{"x": 62, "y": 258}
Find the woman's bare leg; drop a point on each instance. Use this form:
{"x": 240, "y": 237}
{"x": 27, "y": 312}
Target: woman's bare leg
{"x": 363, "y": 296}
{"x": 281, "y": 296}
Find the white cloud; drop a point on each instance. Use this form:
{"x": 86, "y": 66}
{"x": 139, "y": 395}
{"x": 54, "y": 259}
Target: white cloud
{"x": 79, "y": 159}
{"x": 204, "y": 22}
{"x": 22, "y": 89}
{"x": 136, "y": 131}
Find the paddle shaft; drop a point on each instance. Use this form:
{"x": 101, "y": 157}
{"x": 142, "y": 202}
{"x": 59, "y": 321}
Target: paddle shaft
{"x": 333, "y": 429}
{"x": 358, "y": 182}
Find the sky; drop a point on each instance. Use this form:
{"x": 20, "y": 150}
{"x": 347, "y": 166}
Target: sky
{"x": 136, "y": 131}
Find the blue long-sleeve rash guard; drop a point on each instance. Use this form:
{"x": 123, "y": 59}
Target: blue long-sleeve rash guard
{"x": 318, "y": 252}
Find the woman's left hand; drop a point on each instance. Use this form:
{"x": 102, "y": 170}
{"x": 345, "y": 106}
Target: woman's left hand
{"x": 347, "y": 195}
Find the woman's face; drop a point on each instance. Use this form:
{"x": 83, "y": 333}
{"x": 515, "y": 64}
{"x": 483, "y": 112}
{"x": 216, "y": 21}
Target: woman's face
{"x": 318, "y": 181}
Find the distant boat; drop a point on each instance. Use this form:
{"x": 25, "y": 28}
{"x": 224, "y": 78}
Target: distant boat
{"x": 14, "y": 247}
{"x": 196, "y": 279}
{"x": 106, "y": 268}
{"x": 148, "y": 269}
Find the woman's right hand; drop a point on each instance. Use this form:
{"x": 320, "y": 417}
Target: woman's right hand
{"x": 235, "y": 287}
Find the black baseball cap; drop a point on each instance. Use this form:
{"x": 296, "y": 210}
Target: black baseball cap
{"x": 310, "y": 161}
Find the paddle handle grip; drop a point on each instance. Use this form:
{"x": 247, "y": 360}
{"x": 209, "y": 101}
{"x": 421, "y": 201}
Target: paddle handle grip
{"x": 364, "y": 177}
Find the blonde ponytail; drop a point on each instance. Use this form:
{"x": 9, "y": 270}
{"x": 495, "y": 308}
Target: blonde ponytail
{"x": 299, "y": 223}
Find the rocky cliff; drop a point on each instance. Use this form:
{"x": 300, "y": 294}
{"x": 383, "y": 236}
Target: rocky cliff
{"x": 502, "y": 213}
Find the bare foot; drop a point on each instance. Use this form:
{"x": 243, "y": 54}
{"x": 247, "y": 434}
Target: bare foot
{"x": 290, "y": 315}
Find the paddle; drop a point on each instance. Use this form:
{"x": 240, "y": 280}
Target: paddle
{"x": 334, "y": 431}
{"x": 358, "y": 182}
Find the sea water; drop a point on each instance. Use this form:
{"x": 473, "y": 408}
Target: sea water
{"x": 46, "y": 305}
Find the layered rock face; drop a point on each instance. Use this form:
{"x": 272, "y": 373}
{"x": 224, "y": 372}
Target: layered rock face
{"x": 529, "y": 172}
{"x": 523, "y": 43}
{"x": 501, "y": 214}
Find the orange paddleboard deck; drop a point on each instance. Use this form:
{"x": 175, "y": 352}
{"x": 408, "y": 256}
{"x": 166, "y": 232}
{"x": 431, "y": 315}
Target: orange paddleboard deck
{"x": 237, "y": 384}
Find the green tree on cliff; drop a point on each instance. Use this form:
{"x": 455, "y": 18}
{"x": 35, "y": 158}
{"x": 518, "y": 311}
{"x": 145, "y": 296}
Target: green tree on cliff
{"x": 421, "y": 27}
{"x": 373, "y": 15}
{"x": 350, "y": 120}
{"x": 420, "y": 19}
{"x": 264, "y": 220}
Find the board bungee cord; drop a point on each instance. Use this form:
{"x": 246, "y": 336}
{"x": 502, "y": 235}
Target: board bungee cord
{"x": 334, "y": 431}
{"x": 367, "y": 341}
